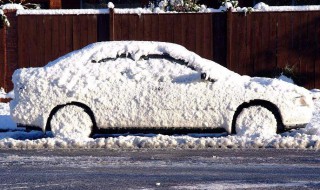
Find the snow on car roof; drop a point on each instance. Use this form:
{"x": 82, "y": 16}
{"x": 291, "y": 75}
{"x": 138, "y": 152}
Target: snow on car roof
{"x": 137, "y": 49}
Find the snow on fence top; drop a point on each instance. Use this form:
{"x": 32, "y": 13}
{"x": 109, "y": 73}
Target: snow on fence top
{"x": 262, "y": 7}
{"x": 62, "y": 11}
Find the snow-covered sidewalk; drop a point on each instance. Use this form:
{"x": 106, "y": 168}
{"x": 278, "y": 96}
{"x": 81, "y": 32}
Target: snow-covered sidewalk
{"x": 307, "y": 138}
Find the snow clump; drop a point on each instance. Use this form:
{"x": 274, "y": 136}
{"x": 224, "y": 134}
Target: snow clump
{"x": 11, "y": 6}
{"x": 110, "y": 5}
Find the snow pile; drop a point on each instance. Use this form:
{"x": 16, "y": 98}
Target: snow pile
{"x": 266, "y": 8}
{"x": 62, "y": 11}
{"x": 11, "y": 6}
{"x": 6, "y": 121}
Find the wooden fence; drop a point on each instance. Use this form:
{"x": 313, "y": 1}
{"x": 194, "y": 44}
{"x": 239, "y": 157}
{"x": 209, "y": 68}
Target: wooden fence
{"x": 43, "y": 38}
{"x": 261, "y": 43}
{"x": 256, "y": 44}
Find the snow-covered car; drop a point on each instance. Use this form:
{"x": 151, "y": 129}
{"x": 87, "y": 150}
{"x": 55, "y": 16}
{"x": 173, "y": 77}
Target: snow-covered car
{"x": 135, "y": 85}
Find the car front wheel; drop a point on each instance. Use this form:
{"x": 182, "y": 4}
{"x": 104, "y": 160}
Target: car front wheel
{"x": 71, "y": 121}
{"x": 256, "y": 120}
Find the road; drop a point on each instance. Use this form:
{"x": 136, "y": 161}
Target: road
{"x": 159, "y": 169}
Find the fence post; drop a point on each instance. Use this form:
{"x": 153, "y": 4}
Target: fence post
{"x": 229, "y": 39}
{"x": 111, "y": 24}
{"x": 3, "y": 58}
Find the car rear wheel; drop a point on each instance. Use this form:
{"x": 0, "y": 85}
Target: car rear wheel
{"x": 71, "y": 121}
{"x": 256, "y": 120}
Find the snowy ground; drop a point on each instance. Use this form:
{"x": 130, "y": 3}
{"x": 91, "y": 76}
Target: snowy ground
{"x": 308, "y": 138}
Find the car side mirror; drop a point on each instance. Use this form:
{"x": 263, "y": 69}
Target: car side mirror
{"x": 205, "y": 77}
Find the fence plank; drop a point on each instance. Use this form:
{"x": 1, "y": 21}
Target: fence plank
{"x": 147, "y": 22}
{"x": 48, "y": 38}
{"x": 22, "y": 46}
{"x": 2, "y": 58}
{"x": 92, "y": 28}
{"x": 162, "y": 28}
{"x": 199, "y": 31}
{"x": 218, "y": 31}
{"x": 69, "y": 33}
{"x": 177, "y": 30}
{"x": 272, "y": 45}
{"x": 55, "y": 38}
{"x": 208, "y": 38}
{"x": 62, "y": 33}
{"x": 103, "y": 30}
{"x": 75, "y": 33}
{"x": 317, "y": 55}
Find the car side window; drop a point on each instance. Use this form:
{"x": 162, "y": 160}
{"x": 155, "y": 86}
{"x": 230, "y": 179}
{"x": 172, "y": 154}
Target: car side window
{"x": 151, "y": 68}
{"x": 164, "y": 68}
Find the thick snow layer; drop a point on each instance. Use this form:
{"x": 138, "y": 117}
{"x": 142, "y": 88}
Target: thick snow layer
{"x": 62, "y": 12}
{"x": 136, "y": 91}
{"x": 11, "y": 6}
{"x": 264, "y": 7}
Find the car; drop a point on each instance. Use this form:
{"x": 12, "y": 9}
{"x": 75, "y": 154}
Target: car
{"x": 150, "y": 86}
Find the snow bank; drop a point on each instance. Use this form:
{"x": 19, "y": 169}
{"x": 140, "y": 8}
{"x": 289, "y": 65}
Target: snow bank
{"x": 63, "y": 12}
{"x": 11, "y": 6}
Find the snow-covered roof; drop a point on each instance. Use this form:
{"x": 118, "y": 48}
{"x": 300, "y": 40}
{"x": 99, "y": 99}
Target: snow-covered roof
{"x": 11, "y": 6}
{"x": 63, "y": 12}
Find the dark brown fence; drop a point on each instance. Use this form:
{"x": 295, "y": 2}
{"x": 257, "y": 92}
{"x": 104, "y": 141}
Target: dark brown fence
{"x": 43, "y": 38}
{"x": 262, "y": 43}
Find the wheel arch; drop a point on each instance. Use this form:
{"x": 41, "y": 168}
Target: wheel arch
{"x": 266, "y": 104}
{"x": 86, "y": 108}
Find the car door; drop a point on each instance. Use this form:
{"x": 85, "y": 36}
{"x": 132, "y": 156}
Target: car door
{"x": 177, "y": 96}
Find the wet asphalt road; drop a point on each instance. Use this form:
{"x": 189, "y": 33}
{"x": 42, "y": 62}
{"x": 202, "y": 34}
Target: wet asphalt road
{"x": 159, "y": 169}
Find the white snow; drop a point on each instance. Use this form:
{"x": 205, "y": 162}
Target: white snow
{"x": 62, "y": 11}
{"x": 110, "y": 5}
{"x": 6, "y": 121}
{"x": 1, "y": 12}
{"x": 256, "y": 121}
{"x": 286, "y": 79}
{"x": 71, "y": 121}
{"x": 3, "y": 94}
{"x": 11, "y": 6}
{"x": 266, "y": 8}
